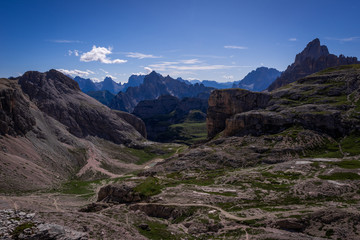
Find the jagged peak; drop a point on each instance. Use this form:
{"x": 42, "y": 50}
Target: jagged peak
{"x": 312, "y": 50}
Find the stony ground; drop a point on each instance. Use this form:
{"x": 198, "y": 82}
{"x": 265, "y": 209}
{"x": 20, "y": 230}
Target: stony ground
{"x": 305, "y": 198}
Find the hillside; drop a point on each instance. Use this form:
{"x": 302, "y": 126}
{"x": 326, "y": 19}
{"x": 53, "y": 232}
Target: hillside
{"x": 51, "y": 131}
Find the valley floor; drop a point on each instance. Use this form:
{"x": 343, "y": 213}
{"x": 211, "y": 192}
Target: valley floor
{"x": 298, "y": 199}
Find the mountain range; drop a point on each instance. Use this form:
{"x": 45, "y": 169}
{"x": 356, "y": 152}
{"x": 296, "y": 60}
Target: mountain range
{"x": 108, "y": 84}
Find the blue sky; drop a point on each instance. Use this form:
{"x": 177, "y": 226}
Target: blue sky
{"x": 218, "y": 40}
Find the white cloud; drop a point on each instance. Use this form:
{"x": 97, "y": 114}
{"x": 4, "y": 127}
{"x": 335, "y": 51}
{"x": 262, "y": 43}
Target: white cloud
{"x": 76, "y": 72}
{"x": 64, "y": 41}
{"x": 75, "y": 52}
{"x": 100, "y": 54}
{"x": 292, "y": 39}
{"x": 228, "y": 77}
{"x": 235, "y": 47}
{"x": 94, "y": 79}
{"x": 141, "y": 55}
{"x": 149, "y": 70}
{"x": 112, "y": 77}
{"x": 350, "y": 39}
{"x": 103, "y": 70}
{"x": 190, "y": 61}
{"x": 191, "y": 79}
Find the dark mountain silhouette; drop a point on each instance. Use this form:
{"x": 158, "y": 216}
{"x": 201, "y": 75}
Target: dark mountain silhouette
{"x": 312, "y": 59}
{"x": 154, "y": 86}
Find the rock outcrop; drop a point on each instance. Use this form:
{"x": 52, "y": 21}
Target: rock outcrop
{"x": 123, "y": 193}
{"x": 15, "y": 116}
{"x": 312, "y": 59}
{"x": 326, "y": 102}
{"x": 225, "y": 103}
{"x": 60, "y": 97}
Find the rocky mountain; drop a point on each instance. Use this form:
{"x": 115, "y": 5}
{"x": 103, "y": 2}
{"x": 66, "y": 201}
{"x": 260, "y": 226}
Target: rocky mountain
{"x": 46, "y": 125}
{"x": 110, "y": 85}
{"x": 154, "y": 86}
{"x": 312, "y": 59}
{"x": 217, "y": 85}
{"x": 86, "y": 85}
{"x": 258, "y": 80}
{"x": 134, "y": 81}
{"x": 104, "y": 96}
{"x": 162, "y": 114}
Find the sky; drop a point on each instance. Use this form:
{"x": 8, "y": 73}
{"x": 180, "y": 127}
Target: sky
{"x": 220, "y": 40}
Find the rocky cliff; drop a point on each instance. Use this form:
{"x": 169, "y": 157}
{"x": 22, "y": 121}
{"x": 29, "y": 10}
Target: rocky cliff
{"x": 312, "y": 59}
{"x": 225, "y": 103}
{"x": 15, "y": 116}
{"x": 326, "y": 102}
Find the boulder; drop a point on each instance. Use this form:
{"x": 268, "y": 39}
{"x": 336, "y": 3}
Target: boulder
{"x": 119, "y": 193}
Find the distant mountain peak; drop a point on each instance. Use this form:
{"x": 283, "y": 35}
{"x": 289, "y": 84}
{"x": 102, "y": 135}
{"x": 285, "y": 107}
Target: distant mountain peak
{"x": 312, "y": 50}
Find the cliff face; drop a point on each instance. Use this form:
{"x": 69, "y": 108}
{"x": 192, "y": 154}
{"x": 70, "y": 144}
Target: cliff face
{"x": 15, "y": 115}
{"x": 326, "y": 102}
{"x": 225, "y": 103}
{"x": 312, "y": 59}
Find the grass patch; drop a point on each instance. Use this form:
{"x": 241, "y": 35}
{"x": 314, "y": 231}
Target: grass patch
{"x": 189, "y": 132}
{"x": 341, "y": 176}
{"x": 149, "y": 187}
{"x": 20, "y": 229}
{"x": 330, "y": 149}
{"x": 351, "y": 144}
{"x": 348, "y": 164}
{"x": 282, "y": 175}
{"x": 157, "y": 231}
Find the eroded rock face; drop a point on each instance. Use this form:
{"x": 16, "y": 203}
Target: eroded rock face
{"x": 312, "y": 59}
{"x": 225, "y": 103}
{"x": 15, "y": 115}
{"x": 123, "y": 193}
{"x": 324, "y": 102}
{"x": 60, "y": 97}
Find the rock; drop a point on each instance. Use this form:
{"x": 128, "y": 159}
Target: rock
{"x": 93, "y": 207}
{"x": 144, "y": 226}
{"x": 292, "y": 225}
{"x": 15, "y": 116}
{"x": 225, "y": 103}
{"x": 312, "y": 59}
{"x": 123, "y": 193}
